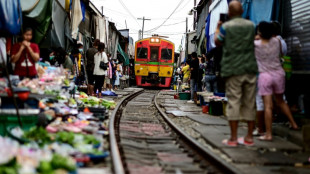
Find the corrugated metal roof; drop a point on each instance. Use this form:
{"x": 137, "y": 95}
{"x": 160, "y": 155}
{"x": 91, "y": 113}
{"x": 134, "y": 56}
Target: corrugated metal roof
{"x": 296, "y": 17}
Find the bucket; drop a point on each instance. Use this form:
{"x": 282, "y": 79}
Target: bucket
{"x": 205, "y": 109}
{"x": 184, "y": 95}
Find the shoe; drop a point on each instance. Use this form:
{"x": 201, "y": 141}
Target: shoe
{"x": 244, "y": 142}
{"x": 229, "y": 143}
{"x": 190, "y": 101}
{"x": 263, "y": 138}
{"x": 112, "y": 90}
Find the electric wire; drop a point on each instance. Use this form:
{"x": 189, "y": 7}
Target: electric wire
{"x": 154, "y": 29}
{"x": 125, "y": 7}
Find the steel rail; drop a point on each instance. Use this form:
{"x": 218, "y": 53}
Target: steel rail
{"x": 218, "y": 161}
{"x": 118, "y": 167}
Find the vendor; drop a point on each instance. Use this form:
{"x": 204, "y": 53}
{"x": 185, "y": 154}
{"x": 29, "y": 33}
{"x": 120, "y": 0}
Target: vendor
{"x": 25, "y": 54}
{"x": 63, "y": 59}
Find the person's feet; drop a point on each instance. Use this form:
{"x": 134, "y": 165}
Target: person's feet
{"x": 265, "y": 138}
{"x": 294, "y": 127}
{"x": 230, "y": 143}
{"x": 245, "y": 141}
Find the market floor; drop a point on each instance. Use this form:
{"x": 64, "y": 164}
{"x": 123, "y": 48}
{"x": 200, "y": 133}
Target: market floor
{"x": 278, "y": 156}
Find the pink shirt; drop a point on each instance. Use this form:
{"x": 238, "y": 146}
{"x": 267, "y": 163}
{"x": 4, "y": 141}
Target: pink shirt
{"x": 268, "y": 56}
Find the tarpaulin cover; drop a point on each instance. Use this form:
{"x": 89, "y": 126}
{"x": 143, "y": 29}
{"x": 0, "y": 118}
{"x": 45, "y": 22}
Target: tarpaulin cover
{"x": 261, "y": 10}
{"x": 60, "y": 30}
{"x": 10, "y": 16}
{"x": 221, "y": 7}
{"x": 123, "y": 55}
{"x": 76, "y": 17}
{"x": 28, "y": 5}
{"x": 38, "y": 12}
{"x": 82, "y": 8}
{"x": 39, "y": 19}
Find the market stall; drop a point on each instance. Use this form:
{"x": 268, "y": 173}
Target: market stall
{"x": 56, "y": 129}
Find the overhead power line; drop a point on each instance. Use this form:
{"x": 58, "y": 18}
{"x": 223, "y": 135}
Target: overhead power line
{"x": 125, "y": 7}
{"x": 154, "y": 29}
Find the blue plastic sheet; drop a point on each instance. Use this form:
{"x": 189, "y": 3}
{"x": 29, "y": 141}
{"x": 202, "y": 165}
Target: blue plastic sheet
{"x": 10, "y": 16}
{"x": 108, "y": 93}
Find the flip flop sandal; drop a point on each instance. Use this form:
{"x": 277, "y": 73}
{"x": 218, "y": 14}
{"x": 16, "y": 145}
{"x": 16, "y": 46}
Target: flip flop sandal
{"x": 229, "y": 143}
{"x": 263, "y": 138}
{"x": 295, "y": 129}
{"x": 245, "y": 142}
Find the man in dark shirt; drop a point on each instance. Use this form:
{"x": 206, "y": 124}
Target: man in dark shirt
{"x": 194, "y": 67}
{"x": 90, "y": 66}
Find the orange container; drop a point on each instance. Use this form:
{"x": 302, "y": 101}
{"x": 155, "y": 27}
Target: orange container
{"x": 205, "y": 109}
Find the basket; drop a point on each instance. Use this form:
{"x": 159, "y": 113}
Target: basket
{"x": 8, "y": 118}
{"x": 184, "y": 95}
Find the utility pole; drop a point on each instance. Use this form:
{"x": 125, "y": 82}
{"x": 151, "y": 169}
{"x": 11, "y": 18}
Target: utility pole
{"x": 125, "y": 23}
{"x": 195, "y": 12}
{"x": 143, "y": 19}
{"x": 186, "y": 41}
{"x": 102, "y": 10}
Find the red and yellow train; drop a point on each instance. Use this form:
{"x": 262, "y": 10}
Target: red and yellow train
{"x": 154, "y": 60}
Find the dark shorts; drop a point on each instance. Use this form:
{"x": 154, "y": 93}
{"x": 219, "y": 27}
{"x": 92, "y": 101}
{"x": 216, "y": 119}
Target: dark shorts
{"x": 90, "y": 77}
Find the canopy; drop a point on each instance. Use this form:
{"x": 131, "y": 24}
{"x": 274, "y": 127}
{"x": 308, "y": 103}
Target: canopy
{"x": 123, "y": 55}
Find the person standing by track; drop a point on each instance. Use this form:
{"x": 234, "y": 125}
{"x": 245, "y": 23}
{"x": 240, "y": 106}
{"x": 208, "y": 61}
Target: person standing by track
{"x": 90, "y": 53}
{"x": 239, "y": 67}
{"x": 99, "y": 73}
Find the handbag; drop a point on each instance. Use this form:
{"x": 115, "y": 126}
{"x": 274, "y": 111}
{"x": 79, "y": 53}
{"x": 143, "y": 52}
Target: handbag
{"x": 103, "y": 65}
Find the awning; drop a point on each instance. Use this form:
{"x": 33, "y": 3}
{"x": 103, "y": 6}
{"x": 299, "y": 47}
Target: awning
{"x": 123, "y": 55}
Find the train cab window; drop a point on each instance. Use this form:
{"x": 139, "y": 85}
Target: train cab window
{"x": 142, "y": 53}
{"x": 166, "y": 54}
{"x": 154, "y": 54}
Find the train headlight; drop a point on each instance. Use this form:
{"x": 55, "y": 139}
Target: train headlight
{"x": 156, "y": 40}
{"x": 152, "y": 40}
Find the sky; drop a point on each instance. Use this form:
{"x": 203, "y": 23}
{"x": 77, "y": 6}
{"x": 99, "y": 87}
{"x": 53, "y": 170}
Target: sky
{"x": 119, "y": 11}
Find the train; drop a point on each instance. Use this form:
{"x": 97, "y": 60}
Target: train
{"x": 154, "y": 62}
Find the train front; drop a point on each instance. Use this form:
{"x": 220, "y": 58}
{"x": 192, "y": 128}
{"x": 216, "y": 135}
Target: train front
{"x": 154, "y": 60}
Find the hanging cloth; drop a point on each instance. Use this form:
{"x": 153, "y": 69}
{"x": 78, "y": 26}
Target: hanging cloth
{"x": 77, "y": 17}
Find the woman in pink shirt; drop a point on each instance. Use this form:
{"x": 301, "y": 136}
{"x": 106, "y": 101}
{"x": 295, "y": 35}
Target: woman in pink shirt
{"x": 271, "y": 80}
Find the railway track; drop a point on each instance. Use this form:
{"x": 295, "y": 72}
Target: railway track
{"x": 144, "y": 140}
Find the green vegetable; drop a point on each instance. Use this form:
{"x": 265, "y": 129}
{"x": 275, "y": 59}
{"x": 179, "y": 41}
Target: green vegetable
{"x": 61, "y": 162}
{"x": 57, "y": 162}
{"x": 51, "y": 92}
{"x": 45, "y": 167}
{"x": 39, "y": 135}
{"x": 66, "y": 82}
{"x": 90, "y": 139}
{"x": 108, "y": 104}
{"x": 72, "y": 101}
{"x": 93, "y": 101}
{"x": 61, "y": 97}
{"x": 65, "y": 137}
{"x": 9, "y": 168}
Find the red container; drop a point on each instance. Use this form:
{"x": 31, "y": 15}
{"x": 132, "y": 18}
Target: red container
{"x": 205, "y": 109}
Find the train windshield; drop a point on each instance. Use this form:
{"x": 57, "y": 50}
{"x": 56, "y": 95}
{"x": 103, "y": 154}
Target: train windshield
{"x": 142, "y": 53}
{"x": 154, "y": 54}
{"x": 166, "y": 54}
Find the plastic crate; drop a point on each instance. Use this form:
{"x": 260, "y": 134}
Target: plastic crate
{"x": 184, "y": 95}
{"x": 11, "y": 120}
